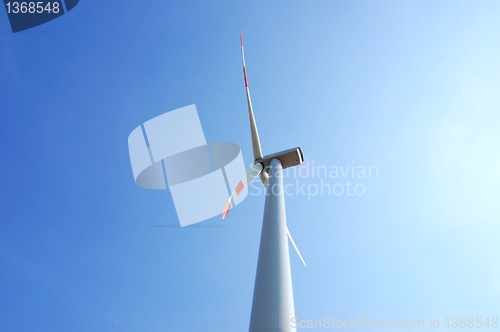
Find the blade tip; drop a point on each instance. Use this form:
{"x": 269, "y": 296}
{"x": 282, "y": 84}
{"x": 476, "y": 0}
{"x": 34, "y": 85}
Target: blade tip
{"x": 226, "y": 210}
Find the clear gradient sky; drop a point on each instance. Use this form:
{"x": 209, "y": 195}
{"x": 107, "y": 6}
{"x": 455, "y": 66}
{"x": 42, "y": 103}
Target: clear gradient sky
{"x": 410, "y": 87}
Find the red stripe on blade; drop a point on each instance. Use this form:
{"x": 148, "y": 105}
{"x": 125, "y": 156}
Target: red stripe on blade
{"x": 226, "y": 210}
{"x": 239, "y": 187}
{"x": 245, "y": 76}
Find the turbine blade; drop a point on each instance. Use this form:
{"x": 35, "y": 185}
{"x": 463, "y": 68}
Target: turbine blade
{"x": 264, "y": 177}
{"x": 252, "y": 172}
{"x": 257, "y": 152}
{"x": 295, "y": 246}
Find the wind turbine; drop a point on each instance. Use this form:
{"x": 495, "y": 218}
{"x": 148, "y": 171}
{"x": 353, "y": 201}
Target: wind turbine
{"x": 273, "y": 305}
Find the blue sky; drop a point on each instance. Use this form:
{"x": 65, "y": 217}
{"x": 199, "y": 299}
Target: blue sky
{"x": 410, "y": 87}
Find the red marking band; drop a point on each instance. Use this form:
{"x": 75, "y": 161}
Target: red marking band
{"x": 239, "y": 187}
{"x": 245, "y": 76}
{"x": 226, "y": 210}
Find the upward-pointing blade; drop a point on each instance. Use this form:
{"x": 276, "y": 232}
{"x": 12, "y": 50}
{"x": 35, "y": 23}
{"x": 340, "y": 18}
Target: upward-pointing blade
{"x": 257, "y": 152}
{"x": 250, "y": 175}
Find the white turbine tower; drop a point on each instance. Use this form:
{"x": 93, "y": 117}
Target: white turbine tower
{"x": 273, "y": 305}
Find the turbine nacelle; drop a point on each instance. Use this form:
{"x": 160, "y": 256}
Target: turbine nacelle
{"x": 288, "y": 158}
